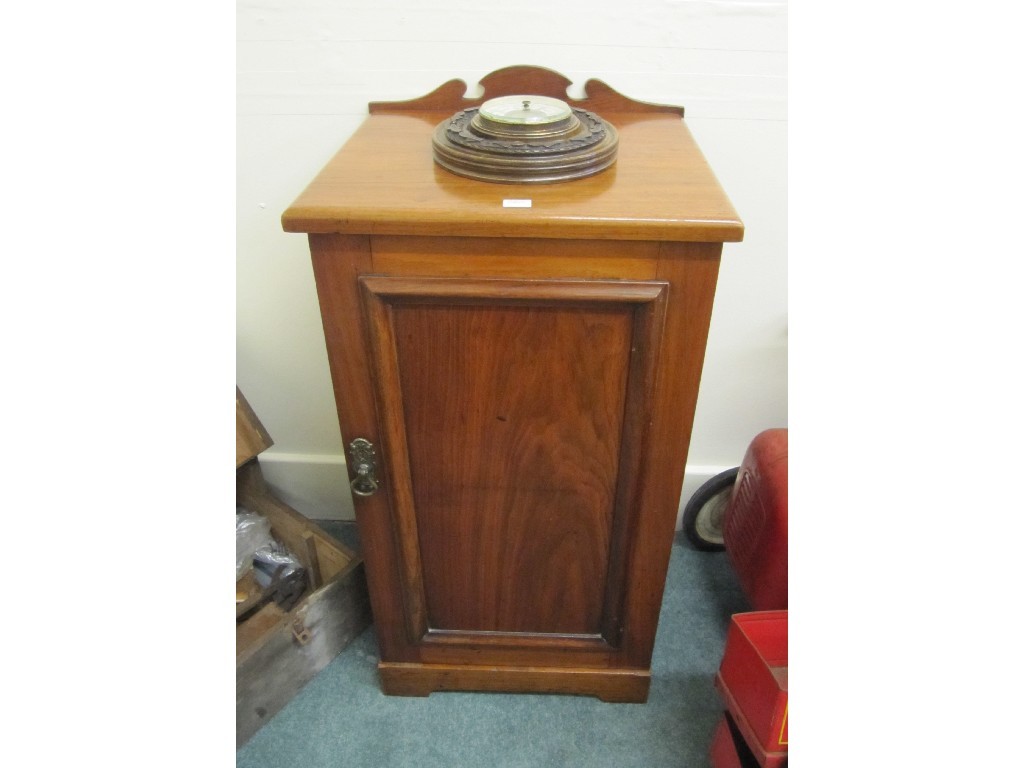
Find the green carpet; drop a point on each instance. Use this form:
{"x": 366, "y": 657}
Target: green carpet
{"x": 342, "y": 719}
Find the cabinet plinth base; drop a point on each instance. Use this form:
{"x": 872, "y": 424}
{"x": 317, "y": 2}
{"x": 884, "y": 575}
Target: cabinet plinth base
{"x": 614, "y": 686}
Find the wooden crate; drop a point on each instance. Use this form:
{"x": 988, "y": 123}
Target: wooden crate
{"x": 278, "y": 652}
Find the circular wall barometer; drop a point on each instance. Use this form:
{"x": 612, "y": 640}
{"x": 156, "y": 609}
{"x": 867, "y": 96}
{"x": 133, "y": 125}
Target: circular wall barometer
{"x": 524, "y": 138}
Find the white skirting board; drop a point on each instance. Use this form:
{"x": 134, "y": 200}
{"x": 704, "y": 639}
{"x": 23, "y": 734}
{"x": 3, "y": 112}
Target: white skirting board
{"x": 317, "y": 485}
{"x": 314, "y": 484}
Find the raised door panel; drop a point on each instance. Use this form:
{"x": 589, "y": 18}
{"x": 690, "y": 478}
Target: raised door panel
{"x": 512, "y": 418}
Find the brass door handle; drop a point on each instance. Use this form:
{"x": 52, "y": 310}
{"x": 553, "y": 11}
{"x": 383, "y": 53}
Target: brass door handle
{"x": 364, "y": 461}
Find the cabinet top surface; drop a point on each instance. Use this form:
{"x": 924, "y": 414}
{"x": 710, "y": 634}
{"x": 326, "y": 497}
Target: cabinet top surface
{"x": 384, "y": 181}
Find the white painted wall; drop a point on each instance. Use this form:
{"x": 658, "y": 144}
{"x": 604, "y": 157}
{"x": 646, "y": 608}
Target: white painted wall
{"x": 308, "y": 68}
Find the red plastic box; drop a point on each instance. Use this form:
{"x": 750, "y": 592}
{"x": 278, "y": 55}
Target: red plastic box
{"x": 723, "y": 748}
{"x": 754, "y": 682}
{"x": 755, "y": 524}
{"x": 729, "y": 750}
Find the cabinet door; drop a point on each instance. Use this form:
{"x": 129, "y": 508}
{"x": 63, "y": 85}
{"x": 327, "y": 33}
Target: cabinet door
{"x": 512, "y": 420}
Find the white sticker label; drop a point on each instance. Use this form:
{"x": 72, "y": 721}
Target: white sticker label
{"x": 511, "y": 203}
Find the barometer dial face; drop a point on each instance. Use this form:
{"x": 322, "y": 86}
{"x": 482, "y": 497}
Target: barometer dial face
{"x": 525, "y": 110}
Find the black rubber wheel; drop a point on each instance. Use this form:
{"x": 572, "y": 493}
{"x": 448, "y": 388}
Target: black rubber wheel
{"x": 704, "y": 513}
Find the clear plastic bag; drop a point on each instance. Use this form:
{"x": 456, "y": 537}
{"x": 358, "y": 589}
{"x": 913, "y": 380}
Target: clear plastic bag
{"x": 252, "y": 533}
{"x": 276, "y": 570}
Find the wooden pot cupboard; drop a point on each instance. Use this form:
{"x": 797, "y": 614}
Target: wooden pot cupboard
{"x": 515, "y": 386}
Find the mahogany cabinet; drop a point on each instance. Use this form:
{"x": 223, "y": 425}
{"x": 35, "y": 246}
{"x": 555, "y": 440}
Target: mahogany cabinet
{"x": 516, "y": 388}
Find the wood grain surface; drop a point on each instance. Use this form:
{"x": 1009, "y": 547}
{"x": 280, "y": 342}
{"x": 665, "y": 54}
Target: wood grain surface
{"x": 384, "y": 181}
{"x": 538, "y": 81}
{"x": 622, "y": 686}
{"x": 251, "y": 437}
{"x": 271, "y": 666}
{"x": 504, "y": 405}
{"x": 516, "y": 257}
{"x": 338, "y": 260}
{"x": 515, "y": 452}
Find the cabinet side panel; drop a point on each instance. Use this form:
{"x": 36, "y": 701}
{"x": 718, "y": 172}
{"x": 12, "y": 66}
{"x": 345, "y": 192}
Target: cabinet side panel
{"x": 514, "y": 415}
{"x": 692, "y": 272}
{"x": 338, "y": 260}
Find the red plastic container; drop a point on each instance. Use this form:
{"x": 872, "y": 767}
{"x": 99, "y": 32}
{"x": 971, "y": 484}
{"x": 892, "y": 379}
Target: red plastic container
{"x": 729, "y": 750}
{"x": 754, "y": 682}
{"x": 755, "y": 525}
{"x": 723, "y": 749}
